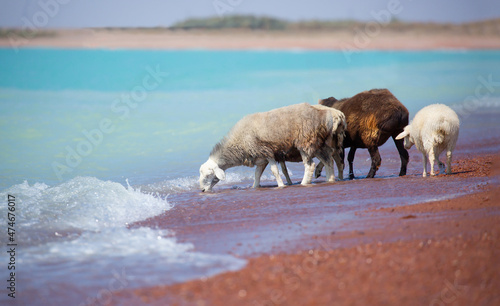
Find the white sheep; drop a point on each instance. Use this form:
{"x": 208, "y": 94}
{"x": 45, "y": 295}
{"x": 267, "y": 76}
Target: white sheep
{"x": 268, "y": 137}
{"x": 433, "y": 130}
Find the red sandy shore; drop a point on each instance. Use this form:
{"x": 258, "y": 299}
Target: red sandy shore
{"x": 436, "y": 253}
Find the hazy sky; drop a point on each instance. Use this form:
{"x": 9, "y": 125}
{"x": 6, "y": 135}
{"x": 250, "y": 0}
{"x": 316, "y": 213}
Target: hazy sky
{"x": 152, "y": 13}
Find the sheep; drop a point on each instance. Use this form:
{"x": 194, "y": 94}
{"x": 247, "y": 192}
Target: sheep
{"x": 433, "y": 130}
{"x": 372, "y": 117}
{"x": 262, "y": 138}
{"x": 293, "y": 155}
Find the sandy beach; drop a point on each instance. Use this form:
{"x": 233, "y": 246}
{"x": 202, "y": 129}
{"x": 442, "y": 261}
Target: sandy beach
{"x": 164, "y": 39}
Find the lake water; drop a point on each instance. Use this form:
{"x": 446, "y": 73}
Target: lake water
{"x": 93, "y": 140}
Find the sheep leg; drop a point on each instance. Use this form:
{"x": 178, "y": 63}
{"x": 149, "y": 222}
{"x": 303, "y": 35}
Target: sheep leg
{"x": 258, "y": 173}
{"x": 449, "y": 155}
{"x": 441, "y": 166}
{"x": 424, "y": 174}
{"x": 285, "y": 172}
{"x": 330, "y": 175}
{"x": 325, "y": 156}
{"x": 276, "y": 172}
{"x": 319, "y": 168}
{"x": 339, "y": 160}
{"x": 403, "y": 154}
{"x": 376, "y": 161}
{"x": 432, "y": 160}
{"x": 350, "y": 159}
{"x": 308, "y": 169}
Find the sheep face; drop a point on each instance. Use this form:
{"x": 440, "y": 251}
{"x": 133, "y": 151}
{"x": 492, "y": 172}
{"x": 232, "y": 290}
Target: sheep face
{"x": 408, "y": 141}
{"x": 210, "y": 174}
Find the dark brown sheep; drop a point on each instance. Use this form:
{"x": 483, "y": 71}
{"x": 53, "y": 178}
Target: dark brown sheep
{"x": 372, "y": 117}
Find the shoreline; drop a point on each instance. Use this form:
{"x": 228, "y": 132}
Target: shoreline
{"x": 347, "y": 41}
{"x": 435, "y": 252}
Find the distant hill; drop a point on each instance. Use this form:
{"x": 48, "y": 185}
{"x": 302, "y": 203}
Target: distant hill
{"x": 255, "y": 23}
{"x": 268, "y": 23}
{"x": 233, "y": 22}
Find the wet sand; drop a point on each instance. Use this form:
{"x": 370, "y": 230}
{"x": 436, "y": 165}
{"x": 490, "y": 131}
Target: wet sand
{"x": 432, "y": 253}
{"x": 389, "y": 240}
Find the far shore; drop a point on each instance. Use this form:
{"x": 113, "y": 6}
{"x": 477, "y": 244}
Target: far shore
{"x": 165, "y": 39}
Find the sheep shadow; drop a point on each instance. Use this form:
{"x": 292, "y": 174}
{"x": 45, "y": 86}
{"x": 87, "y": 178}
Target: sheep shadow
{"x": 439, "y": 174}
{"x": 297, "y": 184}
{"x": 459, "y": 172}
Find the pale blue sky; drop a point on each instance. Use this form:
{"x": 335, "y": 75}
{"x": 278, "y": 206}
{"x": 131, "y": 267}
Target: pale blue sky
{"x": 152, "y": 13}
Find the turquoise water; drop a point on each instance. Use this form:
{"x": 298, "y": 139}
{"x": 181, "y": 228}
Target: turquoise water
{"x": 48, "y": 98}
{"x": 88, "y": 138}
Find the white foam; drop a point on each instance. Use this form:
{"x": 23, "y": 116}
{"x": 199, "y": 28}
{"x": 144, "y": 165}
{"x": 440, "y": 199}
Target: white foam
{"x": 239, "y": 175}
{"x": 76, "y": 234}
{"x": 173, "y": 185}
{"x": 88, "y": 264}
{"x": 83, "y": 203}
{"x": 115, "y": 244}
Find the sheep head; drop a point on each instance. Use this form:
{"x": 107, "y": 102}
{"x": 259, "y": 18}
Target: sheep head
{"x": 408, "y": 141}
{"x": 328, "y": 101}
{"x": 210, "y": 174}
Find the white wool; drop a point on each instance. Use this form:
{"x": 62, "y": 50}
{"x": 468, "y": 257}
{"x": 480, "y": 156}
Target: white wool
{"x": 434, "y": 129}
{"x": 259, "y": 139}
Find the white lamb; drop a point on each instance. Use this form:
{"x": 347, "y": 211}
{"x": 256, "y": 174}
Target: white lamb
{"x": 433, "y": 130}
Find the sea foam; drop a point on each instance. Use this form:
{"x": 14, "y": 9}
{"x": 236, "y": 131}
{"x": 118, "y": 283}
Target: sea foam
{"x": 239, "y": 176}
{"x": 81, "y": 204}
{"x": 76, "y": 234}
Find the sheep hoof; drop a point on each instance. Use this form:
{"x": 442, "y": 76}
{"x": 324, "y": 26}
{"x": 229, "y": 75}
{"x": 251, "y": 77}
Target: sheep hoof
{"x": 424, "y": 174}
{"x": 351, "y": 176}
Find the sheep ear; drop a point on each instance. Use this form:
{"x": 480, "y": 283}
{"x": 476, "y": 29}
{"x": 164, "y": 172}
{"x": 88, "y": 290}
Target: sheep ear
{"x": 219, "y": 173}
{"x": 403, "y": 134}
